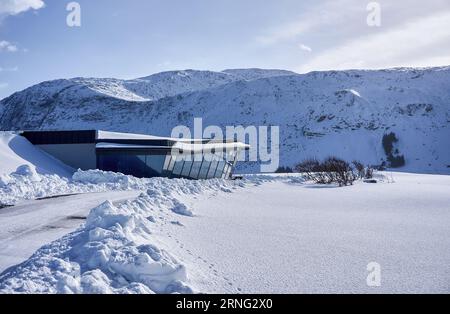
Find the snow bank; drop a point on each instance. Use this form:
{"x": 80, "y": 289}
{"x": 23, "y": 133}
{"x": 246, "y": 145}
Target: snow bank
{"x": 118, "y": 180}
{"x": 16, "y": 151}
{"x": 112, "y": 253}
{"x": 25, "y": 183}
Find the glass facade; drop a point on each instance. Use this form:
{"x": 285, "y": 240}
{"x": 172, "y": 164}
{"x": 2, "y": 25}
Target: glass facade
{"x": 145, "y": 164}
{"x": 138, "y": 165}
{"x": 142, "y": 155}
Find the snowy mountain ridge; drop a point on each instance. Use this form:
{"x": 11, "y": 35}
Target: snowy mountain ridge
{"x": 343, "y": 113}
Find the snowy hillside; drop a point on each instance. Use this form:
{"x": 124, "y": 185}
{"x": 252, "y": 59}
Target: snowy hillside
{"x": 344, "y": 113}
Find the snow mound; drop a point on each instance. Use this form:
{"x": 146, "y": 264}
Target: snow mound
{"x": 182, "y": 209}
{"x": 112, "y": 253}
{"x": 27, "y": 171}
{"x": 101, "y": 177}
{"x": 25, "y": 184}
{"x": 16, "y": 151}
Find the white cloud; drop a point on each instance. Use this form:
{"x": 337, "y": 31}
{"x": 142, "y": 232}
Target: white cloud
{"x": 3, "y": 85}
{"x": 165, "y": 64}
{"x": 324, "y": 14}
{"x": 305, "y": 48}
{"x": 13, "y": 69}
{"x": 7, "y": 46}
{"x": 13, "y": 7}
{"x": 411, "y": 34}
{"x": 399, "y": 46}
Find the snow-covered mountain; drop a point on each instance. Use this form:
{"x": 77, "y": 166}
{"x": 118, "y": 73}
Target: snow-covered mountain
{"x": 344, "y": 113}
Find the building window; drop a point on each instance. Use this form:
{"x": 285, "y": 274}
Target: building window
{"x": 155, "y": 163}
{"x": 219, "y": 169}
{"x": 167, "y": 162}
{"x": 143, "y": 164}
{"x": 178, "y": 167}
{"x": 195, "y": 169}
{"x": 212, "y": 169}
{"x": 132, "y": 164}
{"x": 226, "y": 171}
{"x": 186, "y": 168}
{"x": 173, "y": 159}
{"x": 204, "y": 170}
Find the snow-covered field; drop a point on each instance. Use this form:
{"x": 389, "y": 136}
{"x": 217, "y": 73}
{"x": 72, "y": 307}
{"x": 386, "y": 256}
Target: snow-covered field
{"x": 261, "y": 234}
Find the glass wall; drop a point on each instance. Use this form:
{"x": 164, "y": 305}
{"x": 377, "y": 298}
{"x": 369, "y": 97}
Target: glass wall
{"x": 174, "y": 166}
{"x": 132, "y": 164}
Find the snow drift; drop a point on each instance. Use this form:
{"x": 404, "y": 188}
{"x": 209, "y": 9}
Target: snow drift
{"x": 16, "y": 151}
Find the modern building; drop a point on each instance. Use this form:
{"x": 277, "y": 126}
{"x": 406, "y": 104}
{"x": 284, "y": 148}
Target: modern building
{"x": 140, "y": 155}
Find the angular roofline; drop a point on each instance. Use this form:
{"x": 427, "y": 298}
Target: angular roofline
{"x": 43, "y": 137}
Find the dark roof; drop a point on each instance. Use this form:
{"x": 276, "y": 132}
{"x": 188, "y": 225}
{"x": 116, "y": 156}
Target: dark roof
{"x": 93, "y": 137}
{"x": 60, "y": 137}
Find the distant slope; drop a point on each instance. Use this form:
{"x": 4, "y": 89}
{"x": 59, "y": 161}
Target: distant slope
{"x": 344, "y": 113}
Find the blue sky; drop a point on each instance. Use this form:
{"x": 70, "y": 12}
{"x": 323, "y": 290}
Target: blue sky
{"x": 134, "y": 38}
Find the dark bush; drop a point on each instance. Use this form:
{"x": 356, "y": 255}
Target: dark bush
{"x": 359, "y": 167}
{"x": 308, "y": 165}
{"x": 331, "y": 170}
{"x": 309, "y": 168}
{"x": 338, "y": 171}
{"x": 368, "y": 173}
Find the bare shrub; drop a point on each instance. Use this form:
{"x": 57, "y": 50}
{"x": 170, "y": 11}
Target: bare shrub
{"x": 368, "y": 173}
{"x": 359, "y": 167}
{"x": 308, "y": 168}
{"x": 338, "y": 171}
{"x": 331, "y": 170}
